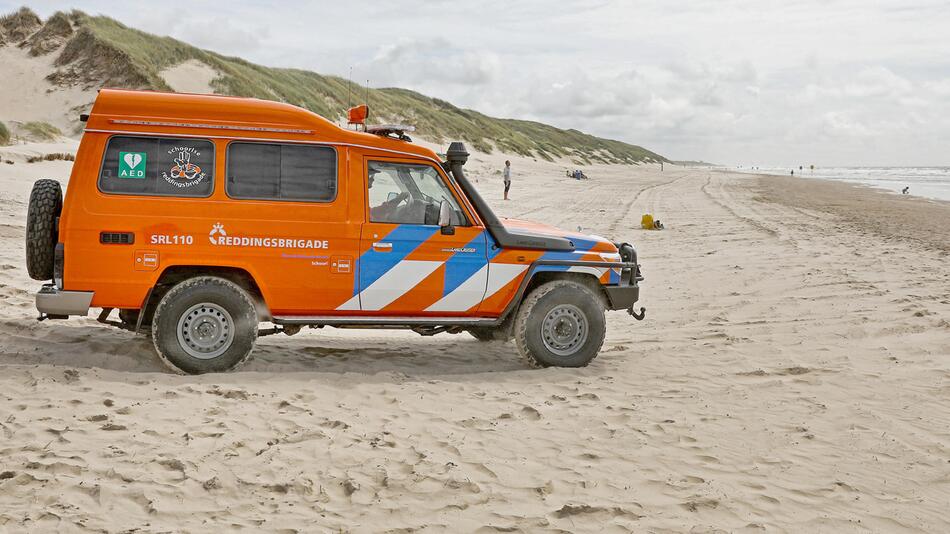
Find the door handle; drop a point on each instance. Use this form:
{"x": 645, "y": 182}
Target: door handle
{"x": 383, "y": 246}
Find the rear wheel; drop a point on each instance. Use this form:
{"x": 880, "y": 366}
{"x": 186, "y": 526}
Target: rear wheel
{"x": 560, "y": 324}
{"x": 205, "y": 325}
{"x": 46, "y": 203}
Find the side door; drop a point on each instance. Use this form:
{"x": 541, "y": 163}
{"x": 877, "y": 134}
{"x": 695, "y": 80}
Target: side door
{"x": 409, "y": 265}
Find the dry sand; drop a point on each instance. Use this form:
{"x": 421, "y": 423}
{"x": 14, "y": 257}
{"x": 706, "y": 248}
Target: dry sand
{"x": 191, "y": 76}
{"x": 29, "y": 96}
{"x": 792, "y": 375}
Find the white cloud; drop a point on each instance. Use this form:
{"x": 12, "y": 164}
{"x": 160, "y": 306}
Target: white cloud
{"x": 429, "y": 63}
{"x": 732, "y": 81}
{"x": 877, "y": 82}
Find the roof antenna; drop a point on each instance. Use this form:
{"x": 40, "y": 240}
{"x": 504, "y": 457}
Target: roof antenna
{"x": 349, "y": 90}
{"x": 366, "y": 94}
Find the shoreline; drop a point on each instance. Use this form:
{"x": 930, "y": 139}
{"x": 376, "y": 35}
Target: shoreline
{"x": 921, "y": 219}
{"x": 865, "y": 181}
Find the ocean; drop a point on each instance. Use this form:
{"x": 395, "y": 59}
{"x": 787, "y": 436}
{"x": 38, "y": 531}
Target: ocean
{"x": 929, "y": 182}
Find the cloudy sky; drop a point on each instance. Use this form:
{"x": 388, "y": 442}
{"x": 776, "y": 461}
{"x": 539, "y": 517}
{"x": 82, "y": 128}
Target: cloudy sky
{"x": 834, "y": 82}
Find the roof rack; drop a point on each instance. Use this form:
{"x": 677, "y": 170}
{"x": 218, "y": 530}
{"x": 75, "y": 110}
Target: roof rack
{"x": 391, "y": 130}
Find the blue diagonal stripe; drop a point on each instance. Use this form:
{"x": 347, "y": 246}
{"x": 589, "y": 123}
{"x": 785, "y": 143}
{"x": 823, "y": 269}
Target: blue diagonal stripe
{"x": 462, "y": 265}
{"x": 581, "y": 246}
{"x": 405, "y": 238}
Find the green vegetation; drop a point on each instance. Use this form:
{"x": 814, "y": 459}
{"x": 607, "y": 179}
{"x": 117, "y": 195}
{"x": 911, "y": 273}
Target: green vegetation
{"x": 42, "y": 131}
{"x": 691, "y": 163}
{"x": 58, "y": 156}
{"x": 4, "y": 134}
{"x": 18, "y": 25}
{"x": 102, "y": 51}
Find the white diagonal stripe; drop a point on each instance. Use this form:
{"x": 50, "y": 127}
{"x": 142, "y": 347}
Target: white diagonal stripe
{"x": 395, "y": 283}
{"x": 352, "y": 304}
{"x": 467, "y": 294}
{"x": 499, "y": 274}
{"x": 596, "y": 271}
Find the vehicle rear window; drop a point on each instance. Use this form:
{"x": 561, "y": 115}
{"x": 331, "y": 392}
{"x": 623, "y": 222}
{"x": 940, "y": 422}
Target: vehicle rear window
{"x": 266, "y": 171}
{"x": 161, "y": 166}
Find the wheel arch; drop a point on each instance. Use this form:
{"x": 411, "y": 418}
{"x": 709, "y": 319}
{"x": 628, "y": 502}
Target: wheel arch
{"x": 588, "y": 280}
{"x": 539, "y": 277}
{"x": 174, "y": 274}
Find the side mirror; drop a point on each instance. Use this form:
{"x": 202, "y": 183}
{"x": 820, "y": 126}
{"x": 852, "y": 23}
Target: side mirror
{"x": 445, "y": 218}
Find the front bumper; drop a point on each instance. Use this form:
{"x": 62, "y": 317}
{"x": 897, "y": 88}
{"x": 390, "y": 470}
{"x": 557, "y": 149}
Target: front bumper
{"x": 621, "y": 297}
{"x": 56, "y": 303}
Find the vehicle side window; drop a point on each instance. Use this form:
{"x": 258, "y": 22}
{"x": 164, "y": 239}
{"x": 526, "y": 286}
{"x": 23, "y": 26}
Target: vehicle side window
{"x": 266, "y": 171}
{"x": 403, "y": 193}
{"x": 159, "y": 166}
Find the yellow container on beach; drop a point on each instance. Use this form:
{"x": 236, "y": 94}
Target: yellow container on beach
{"x": 647, "y": 222}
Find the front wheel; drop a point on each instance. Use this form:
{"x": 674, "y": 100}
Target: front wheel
{"x": 560, "y": 324}
{"x": 205, "y": 325}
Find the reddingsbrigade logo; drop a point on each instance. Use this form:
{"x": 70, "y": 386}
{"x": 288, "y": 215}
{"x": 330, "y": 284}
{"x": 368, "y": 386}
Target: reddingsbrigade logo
{"x": 217, "y": 230}
{"x": 218, "y": 236}
{"x": 132, "y": 164}
{"x": 184, "y": 173}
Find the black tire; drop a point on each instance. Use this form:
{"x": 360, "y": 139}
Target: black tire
{"x": 568, "y": 307}
{"x": 224, "y": 311}
{"x": 46, "y": 203}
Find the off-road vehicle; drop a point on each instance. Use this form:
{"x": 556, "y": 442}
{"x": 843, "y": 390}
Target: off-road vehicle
{"x": 199, "y": 217}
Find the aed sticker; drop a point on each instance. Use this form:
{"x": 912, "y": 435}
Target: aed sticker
{"x": 132, "y": 164}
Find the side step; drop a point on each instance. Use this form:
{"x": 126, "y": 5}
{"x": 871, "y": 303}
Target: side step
{"x": 335, "y": 320}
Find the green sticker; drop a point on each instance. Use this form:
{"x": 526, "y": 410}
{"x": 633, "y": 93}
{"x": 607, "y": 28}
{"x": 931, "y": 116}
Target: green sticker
{"x": 132, "y": 164}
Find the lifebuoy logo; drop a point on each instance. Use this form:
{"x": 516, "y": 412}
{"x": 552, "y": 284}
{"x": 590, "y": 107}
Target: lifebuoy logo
{"x": 218, "y": 236}
{"x": 184, "y": 173}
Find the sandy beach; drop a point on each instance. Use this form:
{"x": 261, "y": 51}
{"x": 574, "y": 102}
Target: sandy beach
{"x": 792, "y": 375}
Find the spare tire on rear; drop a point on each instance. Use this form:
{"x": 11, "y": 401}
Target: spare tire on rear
{"x": 46, "y": 203}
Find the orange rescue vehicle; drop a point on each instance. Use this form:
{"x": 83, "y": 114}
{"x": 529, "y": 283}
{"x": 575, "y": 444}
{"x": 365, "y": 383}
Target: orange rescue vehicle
{"x": 199, "y": 217}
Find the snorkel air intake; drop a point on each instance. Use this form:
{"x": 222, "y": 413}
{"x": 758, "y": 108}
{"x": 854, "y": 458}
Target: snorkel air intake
{"x": 456, "y": 157}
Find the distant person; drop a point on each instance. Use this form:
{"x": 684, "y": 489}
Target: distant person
{"x": 507, "y": 175}
{"x": 793, "y": 172}
{"x": 906, "y": 190}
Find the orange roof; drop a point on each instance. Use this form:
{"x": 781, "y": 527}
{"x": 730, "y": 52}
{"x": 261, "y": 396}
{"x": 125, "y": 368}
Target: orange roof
{"x": 225, "y": 116}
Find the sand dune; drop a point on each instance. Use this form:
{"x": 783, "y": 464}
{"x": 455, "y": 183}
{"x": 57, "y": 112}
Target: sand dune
{"x": 29, "y": 96}
{"x": 792, "y": 375}
{"x": 192, "y": 76}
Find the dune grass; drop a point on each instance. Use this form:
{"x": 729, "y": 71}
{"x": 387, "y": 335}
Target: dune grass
{"x": 4, "y": 134}
{"x": 56, "y": 156}
{"x": 41, "y": 131}
{"x": 107, "y": 52}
